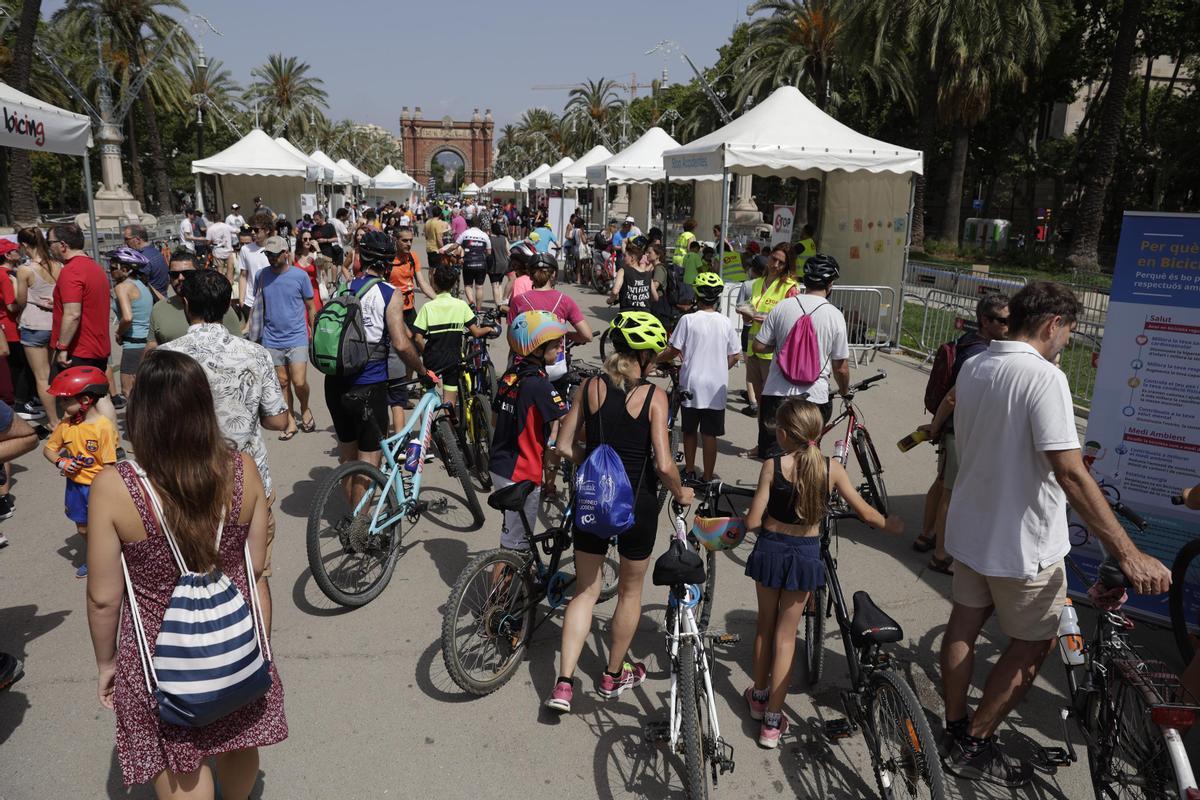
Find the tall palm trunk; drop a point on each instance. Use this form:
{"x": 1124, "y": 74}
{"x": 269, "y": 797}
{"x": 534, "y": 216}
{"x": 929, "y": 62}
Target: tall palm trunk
{"x": 926, "y": 131}
{"x": 1098, "y": 173}
{"x": 954, "y": 188}
{"x": 162, "y": 182}
{"x": 23, "y": 202}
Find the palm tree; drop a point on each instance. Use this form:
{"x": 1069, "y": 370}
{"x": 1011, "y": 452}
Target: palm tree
{"x": 798, "y": 43}
{"x": 286, "y": 93}
{"x": 23, "y": 201}
{"x": 217, "y": 85}
{"x": 595, "y": 107}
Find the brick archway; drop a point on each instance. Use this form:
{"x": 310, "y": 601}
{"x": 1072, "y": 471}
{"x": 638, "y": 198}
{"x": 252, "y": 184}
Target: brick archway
{"x": 422, "y": 139}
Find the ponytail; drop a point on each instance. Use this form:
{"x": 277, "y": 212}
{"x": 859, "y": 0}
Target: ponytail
{"x": 800, "y": 422}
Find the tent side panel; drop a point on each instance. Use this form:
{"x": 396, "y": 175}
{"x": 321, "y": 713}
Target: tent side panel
{"x": 282, "y": 195}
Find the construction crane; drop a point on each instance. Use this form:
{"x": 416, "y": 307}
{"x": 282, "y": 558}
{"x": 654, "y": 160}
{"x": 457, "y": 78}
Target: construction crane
{"x": 630, "y": 86}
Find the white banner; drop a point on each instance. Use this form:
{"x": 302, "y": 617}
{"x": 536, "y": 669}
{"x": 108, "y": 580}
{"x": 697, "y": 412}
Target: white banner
{"x": 308, "y": 203}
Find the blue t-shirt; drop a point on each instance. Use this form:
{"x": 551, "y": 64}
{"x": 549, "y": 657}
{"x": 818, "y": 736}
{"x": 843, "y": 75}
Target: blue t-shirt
{"x": 545, "y": 237}
{"x": 284, "y": 319}
{"x": 156, "y": 270}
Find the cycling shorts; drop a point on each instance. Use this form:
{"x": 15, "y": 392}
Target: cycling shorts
{"x": 637, "y": 542}
{"x": 360, "y": 413}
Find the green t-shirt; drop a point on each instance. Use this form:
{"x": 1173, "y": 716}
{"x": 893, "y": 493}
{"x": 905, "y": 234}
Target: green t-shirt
{"x": 692, "y": 264}
{"x": 442, "y": 322}
{"x": 168, "y": 322}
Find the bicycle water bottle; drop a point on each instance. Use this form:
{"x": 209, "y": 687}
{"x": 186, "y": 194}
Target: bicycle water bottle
{"x": 839, "y": 451}
{"x": 1070, "y": 639}
{"x": 412, "y": 455}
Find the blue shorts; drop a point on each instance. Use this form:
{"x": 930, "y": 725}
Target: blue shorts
{"x": 76, "y": 501}
{"x": 780, "y": 561}
{"x": 34, "y": 338}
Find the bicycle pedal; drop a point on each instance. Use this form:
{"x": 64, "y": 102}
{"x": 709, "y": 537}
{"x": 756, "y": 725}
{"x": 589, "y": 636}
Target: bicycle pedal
{"x": 839, "y": 729}
{"x": 726, "y": 638}
{"x": 724, "y": 757}
{"x": 656, "y": 732}
{"x": 1055, "y": 757}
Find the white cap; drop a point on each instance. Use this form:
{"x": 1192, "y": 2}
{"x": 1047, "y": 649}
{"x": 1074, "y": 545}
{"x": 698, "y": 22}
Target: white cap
{"x": 630, "y": 219}
{"x": 234, "y": 205}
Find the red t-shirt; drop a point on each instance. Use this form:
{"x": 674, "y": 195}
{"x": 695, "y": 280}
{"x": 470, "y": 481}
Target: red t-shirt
{"x": 83, "y": 281}
{"x": 8, "y": 295}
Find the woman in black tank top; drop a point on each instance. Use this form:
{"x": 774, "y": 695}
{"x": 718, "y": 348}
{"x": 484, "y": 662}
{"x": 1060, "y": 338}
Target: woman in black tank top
{"x": 634, "y": 287}
{"x": 620, "y": 409}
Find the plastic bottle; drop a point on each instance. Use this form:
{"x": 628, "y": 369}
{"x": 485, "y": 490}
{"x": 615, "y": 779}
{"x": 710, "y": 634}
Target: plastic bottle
{"x": 912, "y": 440}
{"x": 1070, "y": 640}
{"x": 412, "y": 456}
{"x": 839, "y": 451}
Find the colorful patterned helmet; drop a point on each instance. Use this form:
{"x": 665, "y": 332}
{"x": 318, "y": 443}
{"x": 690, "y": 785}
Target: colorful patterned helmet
{"x": 719, "y": 533}
{"x": 709, "y": 287}
{"x": 637, "y": 330}
{"x": 639, "y": 242}
{"x": 532, "y": 329}
{"x": 131, "y": 258}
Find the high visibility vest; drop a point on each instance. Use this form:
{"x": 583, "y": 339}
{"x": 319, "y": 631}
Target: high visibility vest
{"x": 731, "y": 267}
{"x": 681, "y": 247}
{"x": 763, "y": 299}
{"x": 808, "y": 249}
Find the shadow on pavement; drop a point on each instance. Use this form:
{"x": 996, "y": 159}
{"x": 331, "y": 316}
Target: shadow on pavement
{"x": 309, "y": 598}
{"x": 434, "y": 681}
{"x": 20, "y": 625}
{"x": 450, "y": 556}
{"x": 74, "y": 549}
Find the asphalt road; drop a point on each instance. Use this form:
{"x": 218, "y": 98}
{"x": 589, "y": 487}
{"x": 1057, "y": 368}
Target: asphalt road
{"x": 373, "y": 713}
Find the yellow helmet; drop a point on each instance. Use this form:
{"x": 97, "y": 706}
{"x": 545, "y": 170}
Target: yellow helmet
{"x": 709, "y": 287}
{"x": 637, "y": 330}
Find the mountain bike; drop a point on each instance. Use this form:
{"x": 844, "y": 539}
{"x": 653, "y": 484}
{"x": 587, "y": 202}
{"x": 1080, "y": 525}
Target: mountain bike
{"x": 879, "y": 702}
{"x": 474, "y": 407}
{"x": 604, "y": 270}
{"x": 713, "y": 499}
{"x": 1131, "y": 711}
{"x": 353, "y": 547}
{"x": 858, "y": 439}
{"x": 490, "y": 613}
{"x": 477, "y": 357}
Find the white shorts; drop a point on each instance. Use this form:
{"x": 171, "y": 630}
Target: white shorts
{"x": 512, "y": 535}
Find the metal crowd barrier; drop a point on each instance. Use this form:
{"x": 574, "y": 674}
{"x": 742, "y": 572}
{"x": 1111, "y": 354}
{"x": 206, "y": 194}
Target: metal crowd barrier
{"x": 870, "y": 318}
{"x": 919, "y": 277}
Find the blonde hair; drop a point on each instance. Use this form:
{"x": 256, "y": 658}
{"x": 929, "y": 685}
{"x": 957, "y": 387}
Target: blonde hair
{"x": 624, "y": 369}
{"x": 800, "y": 422}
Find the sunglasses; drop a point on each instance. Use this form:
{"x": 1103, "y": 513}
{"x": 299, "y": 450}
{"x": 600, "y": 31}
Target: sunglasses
{"x": 306, "y": 239}
{"x": 260, "y": 229}
{"x": 1001, "y": 320}
{"x": 178, "y": 273}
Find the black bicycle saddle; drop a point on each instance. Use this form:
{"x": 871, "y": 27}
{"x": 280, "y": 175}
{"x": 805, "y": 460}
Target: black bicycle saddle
{"x": 870, "y": 624}
{"x": 512, "y": 497}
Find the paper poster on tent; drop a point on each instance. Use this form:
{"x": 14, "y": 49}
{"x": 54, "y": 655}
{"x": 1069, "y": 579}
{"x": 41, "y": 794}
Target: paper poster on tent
{"x": 1143, "y": 435}
{"x": 782, "y": 221}
{"x": 308, "y": 203}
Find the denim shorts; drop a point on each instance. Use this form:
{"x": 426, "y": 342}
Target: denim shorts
{"x": 282, "y": 356}
{"x": 31, "y": 337}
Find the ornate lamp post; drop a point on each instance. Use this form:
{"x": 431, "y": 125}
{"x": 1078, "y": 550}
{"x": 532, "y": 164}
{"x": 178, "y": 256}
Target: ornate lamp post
{"x": 200, "y": 101}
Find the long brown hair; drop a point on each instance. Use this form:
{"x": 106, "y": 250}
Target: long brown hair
{"x": 800, "y": 423}
{"x": 36, "y": 241}
{"x": 172, "y": 426}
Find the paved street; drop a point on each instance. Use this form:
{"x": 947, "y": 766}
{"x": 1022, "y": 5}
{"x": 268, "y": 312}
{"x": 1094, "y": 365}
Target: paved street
{"x": 373, "y": 714}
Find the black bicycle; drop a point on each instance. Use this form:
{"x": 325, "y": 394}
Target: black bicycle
{"x": 879, "y": 702}
{"x": 715, "y": 499}
{"x": 1184, "y": 599}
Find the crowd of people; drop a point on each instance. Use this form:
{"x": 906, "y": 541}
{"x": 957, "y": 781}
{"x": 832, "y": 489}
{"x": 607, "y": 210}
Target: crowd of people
{"x": 221, "y": 333}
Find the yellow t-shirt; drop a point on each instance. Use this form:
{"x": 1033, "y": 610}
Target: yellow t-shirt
{"x": 94, "y": 440}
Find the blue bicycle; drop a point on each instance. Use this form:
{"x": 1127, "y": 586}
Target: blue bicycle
{"x": 360, "y": 514}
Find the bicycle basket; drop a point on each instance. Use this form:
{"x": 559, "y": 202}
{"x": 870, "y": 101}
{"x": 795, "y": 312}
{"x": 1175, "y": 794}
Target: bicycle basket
{"x": 719, "y": 533}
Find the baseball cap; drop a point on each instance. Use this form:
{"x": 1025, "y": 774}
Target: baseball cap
{"x": 630, "y": 219}
{"x": 7, "y": 246}
{"x": 275, "y": 244}
{"x": 234, "y": 205}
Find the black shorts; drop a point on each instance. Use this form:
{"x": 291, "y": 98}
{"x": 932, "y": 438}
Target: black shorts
{"x": 496, "y": 277}
{"x": 474, "y": 276}
{"x": 360, "y": 413}
{"x": 77, "y": 361}
{"x": 637, "y": 543}
{"x": 410, "y": 317}
{"x": 435, "y": 259}
{"x": 710, "y": 421}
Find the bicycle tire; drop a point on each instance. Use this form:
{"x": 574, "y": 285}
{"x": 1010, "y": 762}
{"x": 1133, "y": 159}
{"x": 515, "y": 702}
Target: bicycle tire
{"x": 914, "y": 761}
{"x": 479, "y": 437}
{"x": 868, "y": 462}
{"x": 814, "y": 635}
{"x": 688, "y": 696}
{"x": 447, "y": 443}
{"x": 604, "y": 347}
{"x": 1133, "y": 747}
{"x": 1184, "y": 608}
{"x": 352, "y": 594}
{"x": 490, "y": 384}
{"x": 496, "y": 622}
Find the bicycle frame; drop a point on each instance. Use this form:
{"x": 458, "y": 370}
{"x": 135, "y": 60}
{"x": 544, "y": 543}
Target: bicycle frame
{"x": 686, "y": 631}
{"x": 850, "y": 414}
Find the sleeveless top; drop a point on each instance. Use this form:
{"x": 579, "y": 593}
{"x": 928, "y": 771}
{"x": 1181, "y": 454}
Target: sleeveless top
{"x": 635, "y": 289}
{"x": 41, "y": 292}
{"x": 628, "y": 435}
{"x": 781, "y": 502}
{"x": 139, "y": 330}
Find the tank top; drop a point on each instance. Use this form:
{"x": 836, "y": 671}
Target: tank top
{"x": 139, "y": 330}
{"x": 781, "y": 502}
{"x": 628, "y": 435}
{"x": 41, "y": 292}
{"x": 635, "y": 289}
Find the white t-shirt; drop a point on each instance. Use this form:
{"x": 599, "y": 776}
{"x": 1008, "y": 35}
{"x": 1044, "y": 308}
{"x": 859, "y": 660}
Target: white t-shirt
{"x": 343, "y": 234}
{"x": 1008, "y": 515}
{"x": 830, "y": 327}
{"x": 186, "y": 234}
{"x": 251, "y": 260}
{"x": 220, "y": 238}
{"x": 706, "y": 339}
{"x": 235, "y": 221}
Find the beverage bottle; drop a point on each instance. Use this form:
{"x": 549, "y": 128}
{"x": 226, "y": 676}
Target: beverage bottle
{"x": 412, "y": 456}
{"x": 912, "y": 440}
{"x": 1070, "y": 639}
{"x": 839, "y": 451}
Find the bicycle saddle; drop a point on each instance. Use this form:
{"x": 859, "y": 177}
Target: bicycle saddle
{"x": 512, "y": 497}
{"x": 870, "y": 624}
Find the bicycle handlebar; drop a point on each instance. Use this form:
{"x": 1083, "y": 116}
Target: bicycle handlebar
{"x": 1129, "y": 514}
{"x": 711, "y": 488}
{"x": 865, "y": 384}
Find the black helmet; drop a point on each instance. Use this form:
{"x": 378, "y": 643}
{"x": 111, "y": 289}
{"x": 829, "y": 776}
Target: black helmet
{"x": 821, "y": 270}
{"x": 376, "y": 249}
{"x": 544, "y": 261}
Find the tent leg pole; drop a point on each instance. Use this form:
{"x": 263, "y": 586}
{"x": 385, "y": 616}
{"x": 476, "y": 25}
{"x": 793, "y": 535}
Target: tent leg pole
{"x": 666, "y": 209}
{"x": 724, "y": 216}
{"x": 91, "y": 201}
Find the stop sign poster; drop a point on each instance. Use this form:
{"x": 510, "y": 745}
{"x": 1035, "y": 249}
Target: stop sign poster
{"x": 783, "y": 219}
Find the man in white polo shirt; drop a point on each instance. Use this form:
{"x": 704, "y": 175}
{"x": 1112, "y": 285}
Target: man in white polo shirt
{"x": 1019, "y": 466}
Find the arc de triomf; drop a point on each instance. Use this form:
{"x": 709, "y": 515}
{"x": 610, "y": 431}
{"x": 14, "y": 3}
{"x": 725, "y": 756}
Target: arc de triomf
{"x": 471, "y": 140}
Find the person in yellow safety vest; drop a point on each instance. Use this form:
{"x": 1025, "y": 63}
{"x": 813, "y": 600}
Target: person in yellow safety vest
{"x": 686, "y": 238}
{"x": 768, "y": 291}
{"x": 805, "y": 248}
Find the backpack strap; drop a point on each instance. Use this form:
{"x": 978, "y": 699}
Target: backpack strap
{"x": 650, "y": 438}
{"x": 366, "y": 287}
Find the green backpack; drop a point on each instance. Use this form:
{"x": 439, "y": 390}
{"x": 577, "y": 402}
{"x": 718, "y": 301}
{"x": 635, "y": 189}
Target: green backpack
{"x": 339, "y": 343}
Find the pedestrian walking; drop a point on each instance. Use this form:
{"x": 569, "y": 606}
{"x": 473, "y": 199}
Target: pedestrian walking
{"x": 35, "y": 295}
{"x": 155, "y": 271}
{"x": 766, "y": 292}
{"x": 168, "y": 319}
{"x": 283, "y": 298}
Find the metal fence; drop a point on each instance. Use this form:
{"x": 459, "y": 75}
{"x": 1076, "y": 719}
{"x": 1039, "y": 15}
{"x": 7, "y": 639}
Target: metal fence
{"x": 870, "y": 318}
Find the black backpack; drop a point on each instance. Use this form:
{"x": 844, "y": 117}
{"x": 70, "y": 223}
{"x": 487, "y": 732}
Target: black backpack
{"x": 938, "y": 385}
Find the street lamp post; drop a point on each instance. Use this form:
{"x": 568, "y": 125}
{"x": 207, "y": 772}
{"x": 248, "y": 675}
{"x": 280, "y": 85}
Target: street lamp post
{"x": 200, "y": 100}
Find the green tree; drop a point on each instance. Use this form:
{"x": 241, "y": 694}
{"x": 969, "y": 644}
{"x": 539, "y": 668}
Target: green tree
{"x": 285, "y": 94}
{"x": 594, "y": 108}
{"x": 23, "y": 201}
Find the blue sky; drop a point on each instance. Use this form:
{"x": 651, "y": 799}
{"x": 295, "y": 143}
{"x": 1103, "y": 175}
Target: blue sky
{"x": 450, "y": 57}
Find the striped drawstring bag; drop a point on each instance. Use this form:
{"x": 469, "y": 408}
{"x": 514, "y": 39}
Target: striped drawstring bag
{"x": 207, "y": 661}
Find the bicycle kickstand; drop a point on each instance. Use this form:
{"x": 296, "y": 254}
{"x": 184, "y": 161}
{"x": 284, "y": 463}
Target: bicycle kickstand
{"x": 1062, "y": 756}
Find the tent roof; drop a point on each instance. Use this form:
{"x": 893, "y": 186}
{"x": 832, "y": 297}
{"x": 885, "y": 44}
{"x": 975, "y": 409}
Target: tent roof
{"x": 640, "y": 162}
{"x": 391, "y": 178}
{"x": 543, "y": 181}
{"x": 541, "y": 170}
{"x": 575, "y": 175}
{"x": 296, "y": 151}
{"x": 256, "y": 153}
{"x": 506, "y": 184}
{"x": 472, "y": 187}
{"x": 339, "y": 174}
{"x": 42, "y": 127}
{"x": 788, "y": 136}
{"x": 363, "y": 177}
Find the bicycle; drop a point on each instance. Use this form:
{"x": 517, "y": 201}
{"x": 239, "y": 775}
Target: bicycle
{"x": 474, "y": 408}
{"x": 691, "y": 727}
{"x": 489, "y": 616}
{"x": 1131, "y": 711}
{"x": 604, "y": 271}
{"x": 879, "y": 702}
{"x": 709, "y": 495}
{"x": 858, "y": 438}
{"x": 478, "y": 358}
{"x": 366, "y": 535}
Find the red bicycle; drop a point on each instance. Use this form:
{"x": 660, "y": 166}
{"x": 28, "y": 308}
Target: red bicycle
{"x": 858, "y": 439}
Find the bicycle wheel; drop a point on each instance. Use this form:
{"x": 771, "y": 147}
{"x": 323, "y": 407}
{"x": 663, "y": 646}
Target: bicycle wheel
{"x": 478, "y": 422}
{"x": 868, "y": 462}
{"x": 609, "y": 573}
{"x": 488, "y": 620}
{"x": 689, "y": 704}
{"x": 1185, "y": 598}
{"x": 351, "y": 563}
{"x": 604, "y": 345}
{"x": 903, "y": 751}
{"x": 447, "y": 444}
{"x": 489, "y": 383}
{"x": 814, "y": 635}
{"x": 1131, "y": 760}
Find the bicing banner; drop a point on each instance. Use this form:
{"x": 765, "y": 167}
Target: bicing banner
{"x": 1143, "y": 434}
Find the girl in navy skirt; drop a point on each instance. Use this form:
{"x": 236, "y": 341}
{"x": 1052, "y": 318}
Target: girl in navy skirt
{"x": 793, "y": 492}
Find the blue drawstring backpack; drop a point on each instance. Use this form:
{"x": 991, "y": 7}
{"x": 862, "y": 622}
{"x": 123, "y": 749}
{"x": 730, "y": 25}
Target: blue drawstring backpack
{"x": 211, "y": 656}
{"x": 603, "y": 497}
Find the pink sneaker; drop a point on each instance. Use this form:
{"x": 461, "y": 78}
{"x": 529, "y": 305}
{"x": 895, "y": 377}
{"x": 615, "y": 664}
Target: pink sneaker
{"x": 757, "y": 709}
{"x": 632, "y": 674}
{"x": 560, "y": 698}
{"x": 768, "y": 737}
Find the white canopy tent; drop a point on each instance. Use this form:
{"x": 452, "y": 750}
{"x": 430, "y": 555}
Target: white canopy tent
{"x": 43, "y": 128}
{"x": 526, "y": 182}
{"x": 363, "y": 178}
{"x": 866, "y": 202}
{"x": 471, "y": 189}
{"x": 296, "y": 151}
{"x": 504, "y": 185}
{"x": 543, "y": 181}
{"x": 257, "y": 165}
{"x": 574, "y": 175}
{"x": 393, "y": 184}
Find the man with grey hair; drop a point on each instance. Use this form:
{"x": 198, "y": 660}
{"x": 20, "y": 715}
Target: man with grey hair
{"x": 137, "y": 237}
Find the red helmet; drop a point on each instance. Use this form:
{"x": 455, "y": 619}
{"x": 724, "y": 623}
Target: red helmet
{"x": 75, "y": 381}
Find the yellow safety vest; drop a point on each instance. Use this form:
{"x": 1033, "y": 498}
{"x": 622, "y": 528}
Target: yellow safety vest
{"x": 681, "y": 247}
{"x": 808, "y": 249}
{"x": 731, "y": 267}
{"x": 763, "y": 300}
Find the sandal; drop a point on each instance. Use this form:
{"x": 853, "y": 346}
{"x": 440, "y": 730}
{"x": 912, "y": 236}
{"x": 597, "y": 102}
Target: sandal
{"x": 286, "y": 436}
{"x": 308, "y": 427}
{"x": 941, "y": 565}
{"x": 924, "y": 543}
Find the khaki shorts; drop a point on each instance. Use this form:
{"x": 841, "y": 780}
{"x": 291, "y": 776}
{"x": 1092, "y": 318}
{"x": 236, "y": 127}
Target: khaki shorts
{"x": 270, "y": 534}
{"x": 1026, "y": 609}
{"x": 947, "y": 461}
